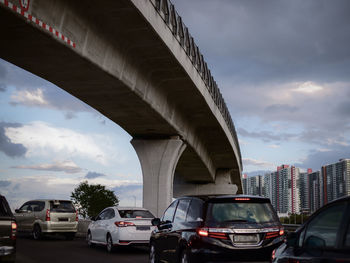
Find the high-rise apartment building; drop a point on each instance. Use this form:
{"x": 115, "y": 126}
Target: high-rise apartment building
{"x": 293, "y": 192}
{"x": 315, "y": 193}
{"x": 252, "y": 185}
{"x": 335, "y": 181}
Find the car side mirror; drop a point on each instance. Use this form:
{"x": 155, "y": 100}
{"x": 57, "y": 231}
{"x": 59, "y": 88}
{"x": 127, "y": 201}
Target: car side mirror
{"x": 314, "y": 242}
{"x": 155, "y": 222}
{"x": 292, "y": 238}
{"x": 93, "y": 218}
{"x": 17, "y": 211}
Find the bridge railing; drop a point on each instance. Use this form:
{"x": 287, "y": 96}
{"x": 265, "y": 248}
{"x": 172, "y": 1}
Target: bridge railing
{"x": 180, "y": 31}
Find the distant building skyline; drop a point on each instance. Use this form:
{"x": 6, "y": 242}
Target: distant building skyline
{"x": 295, "y": 192}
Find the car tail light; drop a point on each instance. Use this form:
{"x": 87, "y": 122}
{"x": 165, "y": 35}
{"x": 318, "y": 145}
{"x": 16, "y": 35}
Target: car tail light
{"x": 47, "y": 218}
{"x": 13, "y": 230}
{"x": 274, "y": 234}
{"x": 281, "y": 231}
{"x": 242, "y": 199}
{"x": 271, "y": 234}
{"x": 273, "y": 254}
{"x": 210, "y": 232}
{"x": 76, "y": 216}
{"x": 203, "y": 232}
{"x": 123, "y": 224}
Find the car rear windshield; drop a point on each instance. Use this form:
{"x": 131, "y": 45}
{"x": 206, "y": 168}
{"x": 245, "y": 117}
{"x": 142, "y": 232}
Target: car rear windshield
{"x": 62, "y": 207}
{"x": 240, "y": 212}
{"x": 135, "y": 214}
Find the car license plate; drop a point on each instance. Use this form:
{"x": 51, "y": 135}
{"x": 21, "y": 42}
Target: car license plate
{"x": 63, "y": 219}
{"x": 245, "y": 238}
{"x": 143, "y": 228}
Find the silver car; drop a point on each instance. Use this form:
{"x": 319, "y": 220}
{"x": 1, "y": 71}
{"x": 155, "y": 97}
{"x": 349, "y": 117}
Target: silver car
{"x": 45, "y": 216}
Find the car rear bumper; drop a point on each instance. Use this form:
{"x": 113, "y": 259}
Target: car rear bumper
{"x": 7, "y": 252}
{"x": 59, "y": 227}
{"x": 130, "y": 236}
{"x": 208, "y": 252}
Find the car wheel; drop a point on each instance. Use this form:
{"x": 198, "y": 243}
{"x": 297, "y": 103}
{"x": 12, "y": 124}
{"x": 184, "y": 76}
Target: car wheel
{"x": 109, "y": 246}
{"x": 89, "y": 239}
{"x": 37, "y": 234}
{"x": 152, "y": 254}
{"x": 184, "y": 257}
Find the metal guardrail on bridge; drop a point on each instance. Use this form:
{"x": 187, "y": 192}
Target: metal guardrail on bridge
{"x": 180, "y": 31}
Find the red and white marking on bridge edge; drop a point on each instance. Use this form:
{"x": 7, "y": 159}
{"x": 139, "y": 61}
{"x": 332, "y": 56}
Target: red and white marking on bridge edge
{"x": 40, "y": 23}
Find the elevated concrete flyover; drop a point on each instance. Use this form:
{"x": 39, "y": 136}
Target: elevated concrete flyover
{"x": 135, "y": 62}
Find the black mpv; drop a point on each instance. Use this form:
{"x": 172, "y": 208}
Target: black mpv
{"x": 216, "y": 229}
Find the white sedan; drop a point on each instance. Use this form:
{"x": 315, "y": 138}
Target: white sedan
{"x": 123, "y": 226}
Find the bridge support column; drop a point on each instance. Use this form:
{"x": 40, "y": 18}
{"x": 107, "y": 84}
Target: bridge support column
{"x": 223, "y": 185}
{"x": 158, "y": 160}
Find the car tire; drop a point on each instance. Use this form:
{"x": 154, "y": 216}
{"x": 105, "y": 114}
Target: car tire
{"x": 184, "y": 258}
{"x": 109, "y": 244}
{"x": 152, "y": 254}
{"x": 89, "y": 239}
{"x": 37, "y": 234}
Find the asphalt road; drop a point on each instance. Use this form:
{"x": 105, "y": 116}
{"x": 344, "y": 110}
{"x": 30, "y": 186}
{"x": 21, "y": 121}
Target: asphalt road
{"x": 56, "y": 249}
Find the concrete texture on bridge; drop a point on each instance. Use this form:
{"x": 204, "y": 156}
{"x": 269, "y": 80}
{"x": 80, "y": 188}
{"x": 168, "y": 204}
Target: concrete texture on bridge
{"x": 128, "y": 65}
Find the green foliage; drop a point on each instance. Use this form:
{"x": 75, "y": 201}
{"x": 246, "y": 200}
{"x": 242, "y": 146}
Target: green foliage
{"x": 92, "y": 199}
{"x": 294, "y": 219}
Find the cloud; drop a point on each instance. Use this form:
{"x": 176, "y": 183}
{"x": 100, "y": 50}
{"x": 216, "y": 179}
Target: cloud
{"x": 70, "y": 115}
{"x": 40, "y": 137}
{"x": 265, "y": 40}
{"x": 68, "y": 167}
{"x": 29, "y": 98}
{"x": 128, "y": 194}
{"x": 249, "y": 161}
{"x": 318, "y": 158}
{"x": 273, "y": 146}
{"x": 309, "y": 87}
{"x": 92, "y": 175}
{"x": 20, "y": 190}
{"x": 281, "y": 108}
{"x": 2, "y": 87}
{"x": 7, "y": 146}
{"x": 33, "y": 91}
{"x": 4, "y": 183}
{"x": 343, "y": 109}
{"x": 265, "y": 136}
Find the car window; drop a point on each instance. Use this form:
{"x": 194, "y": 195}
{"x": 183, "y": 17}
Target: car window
{"x": 26, "y": 207}
{"x": 103, "y": 215}
{"x": 240, "y": 212}
{"x": 195, "y": 211}
{"x": 109, "y": 214}
{"x": 322, "y": 230}
{"x": 4, "y": 208}
{"x": 37, "y": 206}
{"x": 181, "y": 210}
{"x": 62, "y": 207}
{"x": 169, "y": 213}
{"x": 135, "y": 214}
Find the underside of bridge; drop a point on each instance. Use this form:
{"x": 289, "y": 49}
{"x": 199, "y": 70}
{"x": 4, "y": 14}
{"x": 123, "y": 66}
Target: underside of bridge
{"x": 121, "y": 66}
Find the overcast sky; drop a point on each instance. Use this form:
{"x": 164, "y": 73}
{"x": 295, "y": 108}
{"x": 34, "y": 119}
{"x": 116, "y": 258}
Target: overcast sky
{"x": 283, "y": 68}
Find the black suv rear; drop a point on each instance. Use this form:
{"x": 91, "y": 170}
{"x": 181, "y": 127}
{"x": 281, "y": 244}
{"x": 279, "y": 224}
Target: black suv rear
{"x": 216, "y": 228}
{"x": 8, "y": 228}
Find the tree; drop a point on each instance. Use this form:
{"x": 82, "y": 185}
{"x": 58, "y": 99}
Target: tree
{"x": 92, "y": 199}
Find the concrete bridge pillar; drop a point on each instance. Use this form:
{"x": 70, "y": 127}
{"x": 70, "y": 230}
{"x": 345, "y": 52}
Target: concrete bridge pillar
{"x": 223, "y": 185}
{"x": 158, "y": 160}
